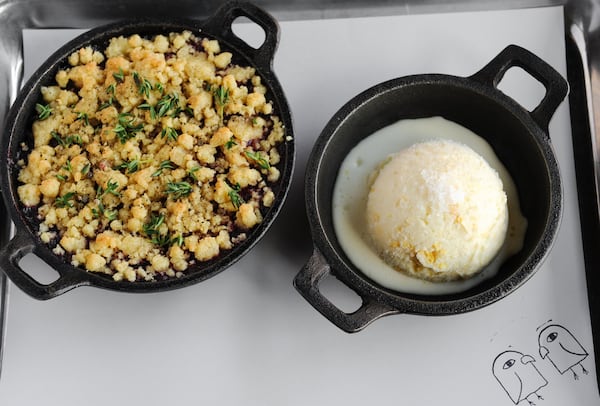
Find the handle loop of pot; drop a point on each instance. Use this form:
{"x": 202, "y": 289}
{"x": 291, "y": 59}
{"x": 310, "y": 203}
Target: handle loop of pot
{"x": 220, "y": 23}
{"x": 11, "y": 254}
{"x": 515, "y": 56}
{"x": 307, "y": 283}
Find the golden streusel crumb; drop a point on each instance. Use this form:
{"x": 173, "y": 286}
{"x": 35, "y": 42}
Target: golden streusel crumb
{"x": 150, "y": 156}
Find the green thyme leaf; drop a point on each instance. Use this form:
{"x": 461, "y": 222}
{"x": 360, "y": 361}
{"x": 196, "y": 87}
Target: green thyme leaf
{"x": 44, "y": 111}
{"x": 229, "y": 144}
{"x": 130, "y": 166}
{"x": 145, "y": 88}
{"x": 122, "y": 133}
{"x": 177, "y": 240}
{"x": 178, "y": 189}
{"x": 149, "y": 107}
{"x": 86, "y": 169}
{"x": 136, "y": 78}
{"x": 144, "y": 85}
{"x": 101, "y": 211}
{"x": 74, "y": 139}
{"x": 111, "y": 188}
{"x": 83, "y": 116}
{"x": 167, "y": 103}
{"x": 162, "y": 240}
{"x": 151, "y": 228}
{"x": 126, "y": 119}
{"x": 68, "y": 166}
{"x": 234, "y": 196}
{"x": 65, "y": 200}
{"x": 162, "y": 166}
{"x": 67, "y": 141}
{"x": 221, "y": 98}
{"x": 126, "y": 129}
{"x": 106, "y": 104}
{"x": 192, "y": 173}
{"x": 170, "y": 133}
{"x": 110, "y": 214}
{"x": 259, "y": 159}
{"x": 56, "y": 136}
{"x": 120, "y": 76}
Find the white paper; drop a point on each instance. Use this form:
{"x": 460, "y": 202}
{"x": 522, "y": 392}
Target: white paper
{"x": 245, "y": 337}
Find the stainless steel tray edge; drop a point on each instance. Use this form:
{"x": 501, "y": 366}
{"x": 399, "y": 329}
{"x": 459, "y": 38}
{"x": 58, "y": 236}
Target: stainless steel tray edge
{"x": 586, "y": 168}
{"x": 583, "y": 63}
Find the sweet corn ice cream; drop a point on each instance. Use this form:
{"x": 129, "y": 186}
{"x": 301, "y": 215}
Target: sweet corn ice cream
{"x": 437, "y": 211}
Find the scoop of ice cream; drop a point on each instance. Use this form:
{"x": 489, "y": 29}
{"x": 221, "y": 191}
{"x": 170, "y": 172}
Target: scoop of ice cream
{"x": 437, "y": 211}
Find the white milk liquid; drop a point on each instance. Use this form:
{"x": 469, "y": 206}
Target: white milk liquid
{"x": 350, "y": 198}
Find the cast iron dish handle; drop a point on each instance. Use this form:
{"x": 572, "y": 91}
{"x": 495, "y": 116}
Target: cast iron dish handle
{"x": 307, "y": 282}
{"x": 220, "y": 24}
{"x": 21, "y": 245}
{"x": 513, "y": 55}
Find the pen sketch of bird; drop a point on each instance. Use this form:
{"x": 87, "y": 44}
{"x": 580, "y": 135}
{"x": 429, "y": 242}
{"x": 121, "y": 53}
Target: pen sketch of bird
{"x": 518, "y": 376}
{"x": 562, "y": 349}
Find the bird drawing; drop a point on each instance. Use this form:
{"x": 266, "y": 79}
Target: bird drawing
{"x": 518, "y": 376}
{"x": 557, "y": 344}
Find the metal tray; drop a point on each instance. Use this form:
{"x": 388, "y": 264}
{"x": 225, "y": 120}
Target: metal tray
{"x": 583, "y": 63}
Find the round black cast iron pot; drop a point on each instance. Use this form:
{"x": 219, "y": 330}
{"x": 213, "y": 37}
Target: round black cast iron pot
{"x": 22, "y": 115}
{"x": 519, "y": 138}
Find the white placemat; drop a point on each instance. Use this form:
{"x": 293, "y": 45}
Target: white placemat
{"x": 246, "y": 337}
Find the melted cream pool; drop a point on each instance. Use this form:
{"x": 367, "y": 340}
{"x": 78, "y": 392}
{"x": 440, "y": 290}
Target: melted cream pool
{"x": 350, "y": 197}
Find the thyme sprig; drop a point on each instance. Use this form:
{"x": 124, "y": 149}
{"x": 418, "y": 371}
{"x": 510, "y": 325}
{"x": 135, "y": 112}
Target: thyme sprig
{"x": 178, "y": 189}
{"x": 167, "y": 103}
{"x": 111, "y": 188}
{"x": 126, "y": 129}
{"x": 149, "y": 107}
{"x": 150, "y": 229}
{"x": 86, "y": 169}
{"x": 258, "y": 158}
{"x": 83, "y": 116}
{"x": 119, "y": 76}
{"x": 66, "y": 141}
{"x": 221, "y": 98}
{"x": 162, "y": 166}
{"x": 110, "y": 90}
{"x": 177, "y": 240}
{"x": 143, "y": 84}
{"x": 101, "y": 211}
{"x": 234, "y": 195}
{"x": 229, "y": 144}
{"x": 131, "y": 166}
{"x": 162, "y": 240}
{"x": 44, "y": 111}
{"x": 106, "y": 104}
{"x": 67, "y": 166}
{"x": 170, "y": 133}
{"x": 65, "y": 200}
{"x": 192, "y": 173}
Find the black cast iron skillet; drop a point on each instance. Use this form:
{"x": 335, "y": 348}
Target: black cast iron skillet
{"x": 519, "y": 138}
{"x": 18, "y": 130}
